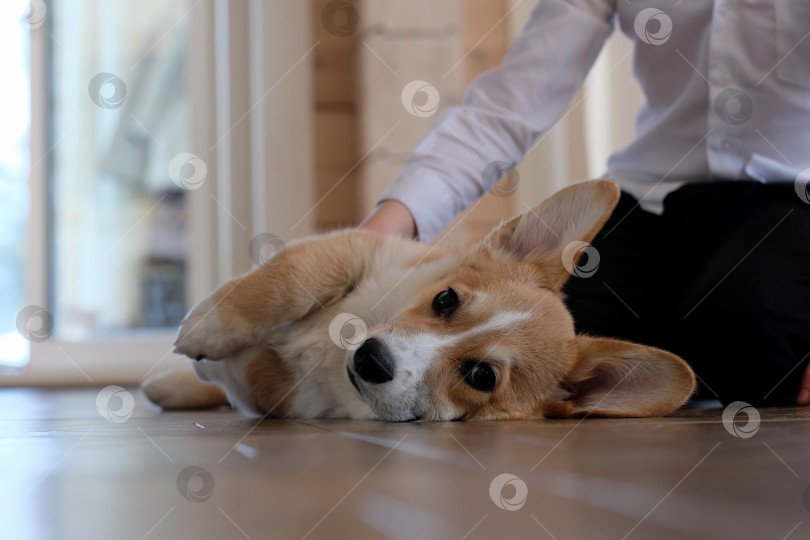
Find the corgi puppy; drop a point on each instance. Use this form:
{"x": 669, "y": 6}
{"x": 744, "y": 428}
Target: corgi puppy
{"x": 354, "y": 325}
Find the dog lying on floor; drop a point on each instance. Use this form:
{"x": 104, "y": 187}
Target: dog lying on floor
{"x": 354, "y": 325}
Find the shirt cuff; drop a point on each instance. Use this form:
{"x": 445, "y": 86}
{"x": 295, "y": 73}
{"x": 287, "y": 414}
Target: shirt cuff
{"x": 432, "y": 209}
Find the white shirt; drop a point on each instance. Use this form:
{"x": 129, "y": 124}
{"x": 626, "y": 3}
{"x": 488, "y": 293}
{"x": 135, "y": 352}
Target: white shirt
{"x": 727, "y": 86}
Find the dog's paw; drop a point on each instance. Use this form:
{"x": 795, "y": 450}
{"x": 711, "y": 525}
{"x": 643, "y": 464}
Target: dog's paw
{"x": 182, "y": 389}
{"x": 202, "y": 334}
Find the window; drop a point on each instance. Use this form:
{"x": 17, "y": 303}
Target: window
{"x": 95, "y": 212}
{"x": 15, "y": 110}
{"x": 119, "y": 122}
{"x": 134, "y": 159}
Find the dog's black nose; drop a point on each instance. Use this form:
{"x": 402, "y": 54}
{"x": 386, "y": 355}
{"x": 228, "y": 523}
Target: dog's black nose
{"x": 372, "y": 363}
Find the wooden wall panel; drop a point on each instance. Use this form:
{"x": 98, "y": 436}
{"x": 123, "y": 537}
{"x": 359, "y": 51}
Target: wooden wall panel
{"x": 390, "y": 62}
{"x": 485, "y": 42}
{"x": 336, "y": 129}
{"x": 336, "y": 154}
{"x": 358, "y": 83}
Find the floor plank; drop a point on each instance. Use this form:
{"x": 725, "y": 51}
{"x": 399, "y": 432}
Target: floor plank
{"x": 67, "y": 472}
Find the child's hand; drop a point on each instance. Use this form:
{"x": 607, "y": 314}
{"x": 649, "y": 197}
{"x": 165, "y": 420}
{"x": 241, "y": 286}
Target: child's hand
{"x": 391, "y": 218}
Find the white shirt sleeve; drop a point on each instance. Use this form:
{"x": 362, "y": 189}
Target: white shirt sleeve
{"x": 504, "y": 111}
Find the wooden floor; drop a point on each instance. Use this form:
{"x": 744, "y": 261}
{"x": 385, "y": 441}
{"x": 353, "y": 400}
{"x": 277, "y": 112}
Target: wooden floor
{"x": 68, "y": 472}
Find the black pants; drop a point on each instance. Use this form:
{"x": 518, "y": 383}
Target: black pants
{"x": 721, "y": 278}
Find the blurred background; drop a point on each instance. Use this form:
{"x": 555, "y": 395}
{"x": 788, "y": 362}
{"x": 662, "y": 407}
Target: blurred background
{"x": 151, "y": 150}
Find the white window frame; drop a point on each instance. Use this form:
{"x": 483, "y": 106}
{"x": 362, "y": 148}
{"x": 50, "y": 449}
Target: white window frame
{"x": 251, "y": 69}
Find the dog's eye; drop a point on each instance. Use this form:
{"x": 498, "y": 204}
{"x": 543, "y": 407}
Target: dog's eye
{"x": 479, "y": 376}
{"x": 445, "y": 302}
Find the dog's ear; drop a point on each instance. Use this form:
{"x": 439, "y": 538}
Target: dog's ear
{"x": 553, "y": 234}
{"x": 619, "y": 378}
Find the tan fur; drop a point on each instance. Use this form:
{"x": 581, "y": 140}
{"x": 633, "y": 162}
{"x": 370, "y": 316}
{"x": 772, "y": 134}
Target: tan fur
{"x": 270, "y": 382}
{"x": 265, "y": 336}
{"x": 181, "y": 389}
